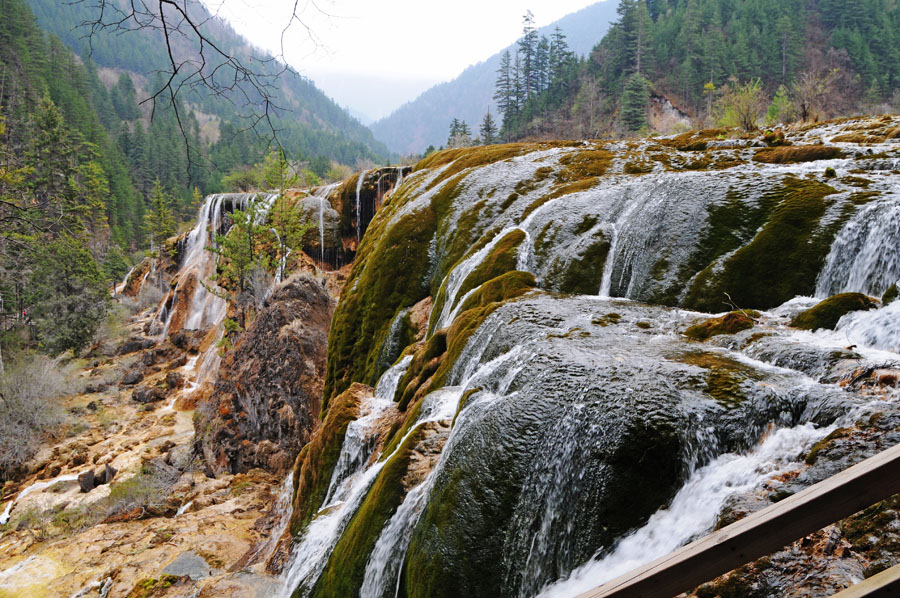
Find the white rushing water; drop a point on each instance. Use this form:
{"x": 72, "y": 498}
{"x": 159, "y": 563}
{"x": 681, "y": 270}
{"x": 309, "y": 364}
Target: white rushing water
{"x": 36, "y": 487}
{"x": 349, "y": 483}
{"x": 695, "y": 508}
{"x": 359, "y": 184}
{"x": 383, "y": 566}
{"x": 876, "y": 329}
{"x": 865, "y": 256}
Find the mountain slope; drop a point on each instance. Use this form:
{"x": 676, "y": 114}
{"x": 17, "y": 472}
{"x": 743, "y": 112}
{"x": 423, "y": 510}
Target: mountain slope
{"x": 424, "y": 121}
{"x": 314, "y": 125}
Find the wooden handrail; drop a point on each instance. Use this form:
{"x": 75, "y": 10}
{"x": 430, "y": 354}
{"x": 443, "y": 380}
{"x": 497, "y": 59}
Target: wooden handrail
{"x": 885, "y": 584}
{"x": 763, "y": 532}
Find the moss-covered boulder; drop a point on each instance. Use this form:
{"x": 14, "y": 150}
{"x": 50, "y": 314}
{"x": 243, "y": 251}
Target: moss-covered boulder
{"x": 730, "y": 323}
{"x": 344, "y": 573}
{"x": 890, "y": 295}
{"x": 782, "y": 260}
{"x": 827, "y": 313}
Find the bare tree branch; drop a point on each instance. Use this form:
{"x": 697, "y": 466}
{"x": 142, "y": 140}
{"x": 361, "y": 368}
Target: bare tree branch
{"x": 198, "y": 63}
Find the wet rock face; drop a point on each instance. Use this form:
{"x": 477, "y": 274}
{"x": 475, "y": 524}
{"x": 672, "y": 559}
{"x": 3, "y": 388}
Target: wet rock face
{"x": 578, "y": 418}
{"x": 267, "y": 398}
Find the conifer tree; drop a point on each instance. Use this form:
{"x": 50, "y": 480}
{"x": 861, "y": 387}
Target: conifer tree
{"x": 160, "y": 220}
{"x": 635, "y": 99}
{"x": 527, "y": 54}
{"x": 488, "y": 130}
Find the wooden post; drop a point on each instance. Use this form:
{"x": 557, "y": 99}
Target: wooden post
{"x": 761, "y": 533}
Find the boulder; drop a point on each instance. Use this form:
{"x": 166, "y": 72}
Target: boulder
{"x": 730, "y": 323}
{"x": 105, "y": 475}
{"x": 827, "y": 313}
{"x": 148, "y": 394}
{"x": 133, "y": 376}
{"x": 86, "y": 480}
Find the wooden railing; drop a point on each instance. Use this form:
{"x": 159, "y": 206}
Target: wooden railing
{"x": 768, "y": 531}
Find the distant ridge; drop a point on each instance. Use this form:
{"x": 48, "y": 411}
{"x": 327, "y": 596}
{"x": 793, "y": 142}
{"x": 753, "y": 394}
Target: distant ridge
{"x": 424, "y": 121}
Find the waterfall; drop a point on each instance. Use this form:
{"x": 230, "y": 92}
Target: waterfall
{"x": 865, "y": 256}
{"x": 348, "y": 486}
{"x": 207, "y": 308}
{"x": 876, "y": 329}
{"x": 695, "y": 508}
{"x": 383, "y": 566}
{"x": 359, "y": 184}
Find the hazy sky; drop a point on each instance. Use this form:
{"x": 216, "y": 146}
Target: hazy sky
{"x": 374, "y": 55}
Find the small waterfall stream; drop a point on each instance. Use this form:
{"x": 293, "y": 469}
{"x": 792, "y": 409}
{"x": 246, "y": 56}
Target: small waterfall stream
{"x": 359, "y": 186}
{"x": 865, "y": 256}
{"x": 349, "y": 483}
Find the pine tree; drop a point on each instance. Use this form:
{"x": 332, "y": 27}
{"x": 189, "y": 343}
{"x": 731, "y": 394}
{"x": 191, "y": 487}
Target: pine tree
{"x": 160, "y": 220}
{"x": 488, "y": 130}
{"x": 527, "y": 54}
{"x": 503, "y": 89}
{"x": 635, "y": 99}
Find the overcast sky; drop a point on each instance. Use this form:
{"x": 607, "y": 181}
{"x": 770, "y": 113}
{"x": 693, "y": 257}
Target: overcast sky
{"x": 374, "y": 55}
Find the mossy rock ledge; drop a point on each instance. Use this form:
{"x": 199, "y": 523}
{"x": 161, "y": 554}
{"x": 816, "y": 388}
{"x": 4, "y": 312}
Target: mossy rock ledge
{"x": 827, "y": 313}
{"x": 730, "y": 323}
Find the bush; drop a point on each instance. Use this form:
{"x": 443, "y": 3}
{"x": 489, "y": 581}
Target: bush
{"x": 149, "y": 489}
{"x": 28, "y": 412}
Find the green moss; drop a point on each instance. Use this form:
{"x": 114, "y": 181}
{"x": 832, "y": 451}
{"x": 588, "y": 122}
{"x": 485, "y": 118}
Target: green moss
{"x": 424, "y": 363}
{"x": 855, "y": 181}
{"x": 638, "y": 167}
{"x": 500, "y": 260}
{"x": 730, "y": 323}
{"x": 797, "y": 153}
{"x": 583, "y": 274}
{"x": 465, "y": 401}
{"x": 473, "y": 157}
{"x": 150, "y": 587}
{"x": 861, "y": 198}
{"x": 644, "y": 325}
{"x": 584, "y": 164}
{"x": 501, "y": 288}
{"x": 725, "y": 387}
{"x": 343, "y": 574}
{"x": 827, "y": 313}
{"x": 390, "y": 273}
{"x": 728, "y": 226}
{"x": 818, "y": 447}
{"x": 316, "y": 461}
{"x": 783, "y": 259}
{"x": 586, "y": 224}
{"x": 610, "y": 319}
{"x": 890, "y": 295}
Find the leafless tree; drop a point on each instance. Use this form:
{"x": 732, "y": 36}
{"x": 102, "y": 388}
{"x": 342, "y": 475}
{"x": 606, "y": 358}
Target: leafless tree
{"x": 196, "y": 61}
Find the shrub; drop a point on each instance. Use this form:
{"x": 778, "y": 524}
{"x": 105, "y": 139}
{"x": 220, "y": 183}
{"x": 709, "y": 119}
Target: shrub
{"x": 28, "y": 411}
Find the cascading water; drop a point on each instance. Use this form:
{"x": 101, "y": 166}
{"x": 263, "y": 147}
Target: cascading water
{"x": 349, "y": 483}
{"x": 36, "y": 487}
{"x": 359, "y": 185}
{"x": 555, "y": 385}
{"x": 865, "y": 256}
{"x": 695, "y": 509}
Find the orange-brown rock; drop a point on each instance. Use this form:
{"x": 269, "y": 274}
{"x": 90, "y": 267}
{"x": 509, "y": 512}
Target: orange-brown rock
{"x": 266, "y": 402}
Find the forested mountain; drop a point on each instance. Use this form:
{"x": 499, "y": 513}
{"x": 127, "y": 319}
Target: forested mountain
{"x": 424, "y": 121}
{"x": 788, "y": 58}
{"x": 311, "y": 124}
